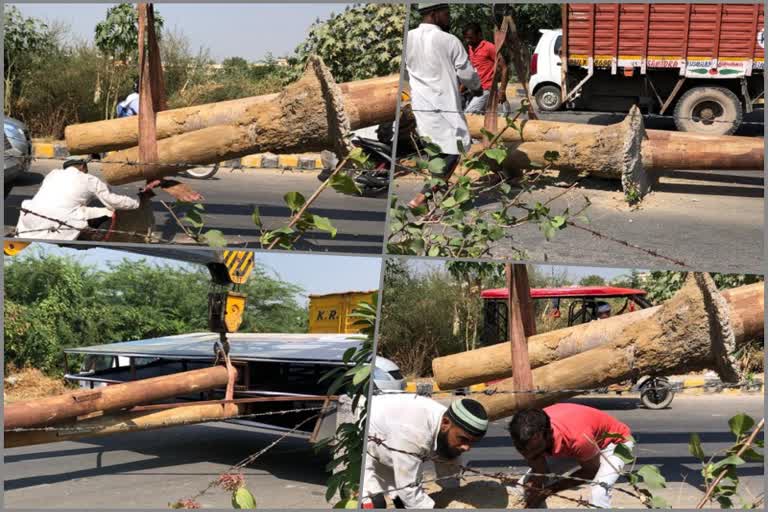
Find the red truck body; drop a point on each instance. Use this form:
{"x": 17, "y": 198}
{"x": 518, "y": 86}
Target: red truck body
{"x": 701, "y": 64}
{"x": 700, "y": 40}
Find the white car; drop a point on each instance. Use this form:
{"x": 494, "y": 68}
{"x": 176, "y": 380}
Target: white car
{"x": 546, "y": 66}
{"x": 387, "y": 375}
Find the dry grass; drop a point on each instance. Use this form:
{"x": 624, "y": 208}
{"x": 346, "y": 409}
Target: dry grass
{"x": 30, "y": 383}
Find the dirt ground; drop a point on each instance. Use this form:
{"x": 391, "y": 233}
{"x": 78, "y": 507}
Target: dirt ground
{"x": 30, "y": 383}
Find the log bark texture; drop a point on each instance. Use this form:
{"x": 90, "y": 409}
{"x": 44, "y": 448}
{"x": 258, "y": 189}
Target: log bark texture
{"x": 48, "y": 411}
{"x": 746, "y": 308}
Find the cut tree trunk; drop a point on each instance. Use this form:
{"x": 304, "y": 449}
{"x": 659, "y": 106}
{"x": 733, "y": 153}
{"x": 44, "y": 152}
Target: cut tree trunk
{"x": 690, "y": 332}
{"x": 125, "y": 422}
{"x": 367, "y": 103}
{"x": 48, "y": 411}
{"x": 745, "y": 305}
{"x": 309, "y": 115}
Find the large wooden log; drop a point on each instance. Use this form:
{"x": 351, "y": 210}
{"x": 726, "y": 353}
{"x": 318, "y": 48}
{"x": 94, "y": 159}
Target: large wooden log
{"x": 690, "y": 332}
{"x": 602, "y": 150}
{"x": 367, "y": 103}
{"x": 309, "y": 115}
{"x": 745, "y": 304}
{"x": 48, "y": 411}
{"x": 125, "y": 422}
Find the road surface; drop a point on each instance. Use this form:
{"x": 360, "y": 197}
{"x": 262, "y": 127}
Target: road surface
{"x": 230, "y": 197}
{"x": 662, "y": 440}
{"x": 706, "y": 220}
{"x": 151, "y": 469}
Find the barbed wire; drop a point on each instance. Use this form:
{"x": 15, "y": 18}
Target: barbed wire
{"x": 54, "y": 428}
{"x": 588, "y": 113}
{"x": 541, "y": 391}
{"x": 505, "y": 477}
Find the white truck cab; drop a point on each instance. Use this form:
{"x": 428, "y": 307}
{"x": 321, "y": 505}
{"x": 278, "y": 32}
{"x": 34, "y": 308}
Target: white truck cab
{"x": 546, "y": 67}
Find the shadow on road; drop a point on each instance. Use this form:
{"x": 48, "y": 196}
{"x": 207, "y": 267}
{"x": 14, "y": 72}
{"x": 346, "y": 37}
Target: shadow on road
{"x": 168, "y": 451}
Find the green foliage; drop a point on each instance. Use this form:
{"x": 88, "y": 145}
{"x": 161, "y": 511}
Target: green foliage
{"x": 725, "y": 492}
{"x": 661, "y": 285}
{"x": 452, "y": 224}
{"x": 243, "y": 499}
{"x": 117, "y": 36}
{"x": 27, "y": 43}
{"x": 55, "y": 302}
{"x": 529, "y": 18}
{"x": 592, "y": 280}
{"x": 362, "y": 42}
{"x": 353, "y": 380}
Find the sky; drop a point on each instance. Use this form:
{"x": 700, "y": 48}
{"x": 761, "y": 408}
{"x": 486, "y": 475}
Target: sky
{"x": 315, "y": 273}
{"x": 227, "y": 30}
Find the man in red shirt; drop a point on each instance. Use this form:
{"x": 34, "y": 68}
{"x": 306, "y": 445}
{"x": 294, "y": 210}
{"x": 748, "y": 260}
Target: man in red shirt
{"x": 570, "y": 431}
{"x": 482, "y": 55}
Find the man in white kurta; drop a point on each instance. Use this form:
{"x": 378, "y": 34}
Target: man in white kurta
{"x": 423, "y": 429}
{"x": 436, "y": 62}
{"x": 64, "y": 195}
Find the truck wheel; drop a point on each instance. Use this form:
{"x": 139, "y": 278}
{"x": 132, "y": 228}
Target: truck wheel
{"x": 708, "y": 110}
{"x": 548, "y": 98}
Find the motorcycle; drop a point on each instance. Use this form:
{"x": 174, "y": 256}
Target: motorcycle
{"x": 655, "y": 392}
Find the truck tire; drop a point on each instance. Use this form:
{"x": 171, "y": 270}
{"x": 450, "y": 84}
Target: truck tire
{"x": 548, "y": 98}
{"x": 708, "y": 110}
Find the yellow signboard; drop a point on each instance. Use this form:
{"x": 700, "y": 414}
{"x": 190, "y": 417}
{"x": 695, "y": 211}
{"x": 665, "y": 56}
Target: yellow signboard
{"x": 331, "y": 313}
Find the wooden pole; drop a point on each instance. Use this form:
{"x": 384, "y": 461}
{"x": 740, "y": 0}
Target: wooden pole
{"x": 518, "y": 307}
{"x": 48, "y": 411}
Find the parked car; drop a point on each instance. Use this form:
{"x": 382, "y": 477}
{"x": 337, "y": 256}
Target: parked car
{"x": 17, "y": 151}
{"x": 387, "y": 375}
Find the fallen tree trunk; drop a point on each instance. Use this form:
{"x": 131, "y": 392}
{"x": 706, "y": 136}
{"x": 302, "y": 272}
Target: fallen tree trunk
{"x": 125, "y": 422}
{"x": 745, "y": 305}
{"x": 367, "y": 103}
{"x": 48, "y": 411}
{"x": 690, "y": 332}
{"x": 309, "y": 115}
{"x": 661, "y": 149}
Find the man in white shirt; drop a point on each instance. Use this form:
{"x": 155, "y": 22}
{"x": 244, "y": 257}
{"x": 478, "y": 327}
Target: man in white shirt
{"x": 64, "y": 195}
{"x": 130, "y": 105}
{"x": 436, "y": 62}
{"x": 406, "y": 431}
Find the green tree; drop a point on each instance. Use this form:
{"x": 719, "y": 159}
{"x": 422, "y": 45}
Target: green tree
{"x": 362, "y": 42}
{"x": 26, "y": 42}
{"x": 117, "y": 38}
{"x": 592, "y": 280}
{"x": 55, "y": 302}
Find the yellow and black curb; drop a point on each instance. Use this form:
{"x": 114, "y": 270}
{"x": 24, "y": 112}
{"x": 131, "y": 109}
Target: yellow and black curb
{"x": 305, "y": 162}
{"x": 690, "y": 385}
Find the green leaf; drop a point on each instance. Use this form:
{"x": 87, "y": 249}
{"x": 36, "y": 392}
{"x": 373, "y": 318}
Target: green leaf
{"x": 436, "y": 166}
{"x": 434, "y": 251}
{"x": 256, "y": 217}
{"x": 658, "y": 502}
{"x": 361, "y": 375}
{"x": 324, "y": 224}
{"x": 215, "y": 238}
{"x": 750, "y": 455}
{"x": 461, "y": 195}
{"x": 357, "y": 156}
{"x": 294, "y": 200}
{"x": 497, "y": 154}
{"x": 448, "y": 202}
{"x": 695, "y": 448}
{"x": 344, "y": 184}
{"x": 740, "y": 424}
{"x": 417, "y": 246}
{"x": 623, "y": 453}
{"x": 548, "y": 230}
{"x": 731, "y": 460}
{"x": 558, "y": 221}
{"x": 652, "y": 477}
{"x": 348, "y": 503}
{"x": 243, "y": 499}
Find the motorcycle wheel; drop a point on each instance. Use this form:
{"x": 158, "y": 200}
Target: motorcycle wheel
{"x": 202, "y": 173}
{"x": 656, "y": 394}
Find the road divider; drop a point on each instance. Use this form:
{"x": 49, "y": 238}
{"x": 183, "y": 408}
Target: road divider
{"x": 303, "y": 162}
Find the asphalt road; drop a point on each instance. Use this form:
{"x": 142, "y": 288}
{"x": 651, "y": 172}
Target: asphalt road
{"x": 230, "y": 197}
{"x": 152, "y": 469}
{"x": 706, "y": 220}
{"x": 662, "y": 440}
